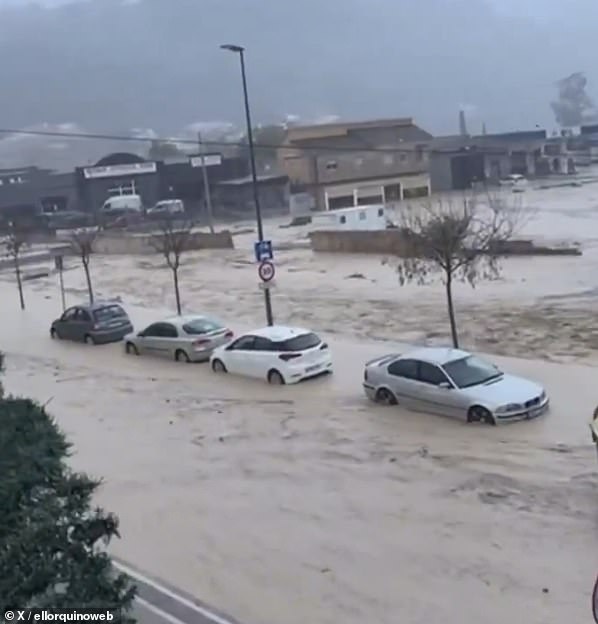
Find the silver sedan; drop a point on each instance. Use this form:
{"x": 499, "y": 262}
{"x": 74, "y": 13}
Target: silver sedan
{"x": 190, "y": 338}
{"x": 453, "y": 383}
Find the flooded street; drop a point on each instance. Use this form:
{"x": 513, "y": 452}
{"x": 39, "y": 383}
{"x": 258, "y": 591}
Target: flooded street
{"x": 307, "y": 503}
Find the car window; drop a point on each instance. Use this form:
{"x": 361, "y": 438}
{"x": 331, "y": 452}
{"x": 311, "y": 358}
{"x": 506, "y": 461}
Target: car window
{"x": 200, "y": 326}
{"x": 298, "y": 343}
{"x": 109, "y": 312}
{"x": 151, "y": 330}
{"x": 69, "y": 315}
{"x": 431, "y": 374}
{"x": 168, "y": 331}
{"x": 244, "y": 343}
{"x": 263, "y": 344}
{"x": 471, "y": 371}
{"x": 407, "y": 369}
{"x": 82, "y": 315}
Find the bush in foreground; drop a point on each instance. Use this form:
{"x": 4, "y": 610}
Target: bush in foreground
{"x": 52, "y": 542}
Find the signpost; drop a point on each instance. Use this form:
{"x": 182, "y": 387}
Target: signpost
{"x": 263, "y": 250}
{"x": 59, "y": 263}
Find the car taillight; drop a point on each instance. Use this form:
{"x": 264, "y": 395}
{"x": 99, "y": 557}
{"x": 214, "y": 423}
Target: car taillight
{"x": 198, "y": 344}
{"x": 323, "y": 346}
{"x": 285, "y": 357}
{"x": 229, "y": 334}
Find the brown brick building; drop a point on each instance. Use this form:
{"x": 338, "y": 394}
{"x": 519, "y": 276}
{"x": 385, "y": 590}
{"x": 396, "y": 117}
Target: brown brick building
{"x": 358, "y": 163}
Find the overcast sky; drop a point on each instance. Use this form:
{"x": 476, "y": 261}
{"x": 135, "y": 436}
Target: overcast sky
{"x": 157, "y": 63}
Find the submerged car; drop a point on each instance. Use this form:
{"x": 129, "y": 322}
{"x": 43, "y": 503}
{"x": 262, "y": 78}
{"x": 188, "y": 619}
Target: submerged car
{"x": 95, "y": 323}
{"x": 279, "y": 355}
{"x": 453, "y": 383}
{"x": 189, "y": 338}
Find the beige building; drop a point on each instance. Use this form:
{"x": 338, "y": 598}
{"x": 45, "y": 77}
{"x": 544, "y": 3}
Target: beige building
{"x": 351, "y": 164}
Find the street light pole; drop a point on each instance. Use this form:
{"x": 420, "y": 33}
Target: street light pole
{"x": 258, "y": 212}
{"x": 206, "y": 184}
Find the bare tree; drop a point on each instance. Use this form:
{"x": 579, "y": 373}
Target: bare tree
{"x": 16, "y": 239}
{"x": 459, "y": 241}
{"x": 82, "y": 243}
{"x": 172, "y": 240}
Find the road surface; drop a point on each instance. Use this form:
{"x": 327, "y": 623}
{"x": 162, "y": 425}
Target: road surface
{"x": 157, "y": 603}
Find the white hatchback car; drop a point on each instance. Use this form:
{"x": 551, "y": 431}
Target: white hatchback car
{"x": 280, "y": 355}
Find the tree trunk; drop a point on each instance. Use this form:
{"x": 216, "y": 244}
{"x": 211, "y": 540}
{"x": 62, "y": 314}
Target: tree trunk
{"x": 19, "y": 283}
{"x": 88, "y": 278}
{"x": 451, "y": 310}
{"x": 177, "y": 294}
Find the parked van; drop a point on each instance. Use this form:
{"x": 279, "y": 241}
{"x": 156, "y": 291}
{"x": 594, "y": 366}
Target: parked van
{"x": 123, "y": 203}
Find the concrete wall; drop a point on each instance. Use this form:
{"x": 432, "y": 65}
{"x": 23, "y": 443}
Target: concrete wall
{"x": 140, "y": 244}
{"x": 383, "y": 242}
{"x": 394, "y": 242}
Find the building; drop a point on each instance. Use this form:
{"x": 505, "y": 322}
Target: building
{"x": 235, "y": 197}
{"x": 458, "y": 162}
{"x": 349, "y": 164}
{"x": 589, "y": 135}
{"x": 357, "y": 218}
{"x": 27, "y": 191}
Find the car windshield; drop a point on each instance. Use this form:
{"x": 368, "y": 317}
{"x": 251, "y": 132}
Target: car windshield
{"x": 298, "y": 343}
{"x": 107, "y": 313}
{"x": 201, "y": 326}
{"x": 471, "y": 371}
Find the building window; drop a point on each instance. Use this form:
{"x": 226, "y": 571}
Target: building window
{"x": 342, "y": 219}
{"x": 389, "y": 159}
{"x": 344, "y": 201}
{"x": 403, "y": 157}
{"x": 392, "y": 192}
{"x": 362, "y": 215}
{"x": 419, "y": 153}
{"x": 418, "y": 191}
{"x": 380, "y": 212}
{"x": 11, "y": 180}
{"x": 331, "y": 165}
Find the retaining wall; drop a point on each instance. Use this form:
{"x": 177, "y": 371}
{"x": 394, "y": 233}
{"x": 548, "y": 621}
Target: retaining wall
{"x": 140, "y": 244}
{"x": 394, "y": 242}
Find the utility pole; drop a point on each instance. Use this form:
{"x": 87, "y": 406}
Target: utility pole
{"x": 206, "y": 184}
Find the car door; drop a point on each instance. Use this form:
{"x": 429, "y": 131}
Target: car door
{"x": 83, "y": 324}
{"x": 239, "y": 355}
{"x": 438, "y": 394}
{"x": 402, "y": 378}
{"x": 147, "y": 340}
{"x": 167, "y": 340}
{"x": 64, "y": 325}
{"x": 261, "y": 359}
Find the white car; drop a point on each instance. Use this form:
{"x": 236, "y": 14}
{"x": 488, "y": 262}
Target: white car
{"x": 279, "y": 355}
{"x": 167, "y": 207}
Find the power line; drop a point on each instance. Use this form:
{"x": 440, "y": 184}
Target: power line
{"x": 151, "y": 139}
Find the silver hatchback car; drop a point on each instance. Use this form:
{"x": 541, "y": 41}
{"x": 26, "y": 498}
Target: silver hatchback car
{"x": 190, "y": 338}
{"x": 454, "y": 383}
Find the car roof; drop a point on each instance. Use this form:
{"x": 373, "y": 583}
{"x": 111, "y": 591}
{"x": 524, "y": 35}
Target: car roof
{"x": 278, "y": 333}
{"x": 436, "y": 355}
{"x": 96, "y": 305}
{"x": 183, "y": 319}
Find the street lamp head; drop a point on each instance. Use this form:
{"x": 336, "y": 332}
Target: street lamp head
{"x": 232, "y": 48}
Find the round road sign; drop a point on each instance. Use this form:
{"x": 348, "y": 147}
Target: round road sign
{"x": 266, "y": 271}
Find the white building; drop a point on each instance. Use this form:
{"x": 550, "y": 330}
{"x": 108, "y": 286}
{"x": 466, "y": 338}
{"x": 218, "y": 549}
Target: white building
{"x": 358, "y": 218}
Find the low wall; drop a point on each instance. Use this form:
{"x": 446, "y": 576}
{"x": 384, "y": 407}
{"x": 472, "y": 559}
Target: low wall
{"x": 140, "y": 244}
{"x": 384, "y": 242}
{"x": 394, "y": 242}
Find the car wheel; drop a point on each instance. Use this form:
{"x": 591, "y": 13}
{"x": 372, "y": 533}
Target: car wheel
{"x": 89, "y": 340}
{"x": 131, "y": 349}
{"x": 182, "y": 356}
{"x": 53, "y": 333}
{"x": 275, "y": 378}
{"x": 385, "y": 397}
{"x": 477, "y": 413}
{"x": 218, "y": 366}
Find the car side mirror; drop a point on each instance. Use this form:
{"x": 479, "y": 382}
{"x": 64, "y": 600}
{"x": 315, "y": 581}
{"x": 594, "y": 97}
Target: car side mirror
{"x": 141, "y": 334}
{"x": 446, "y": 385}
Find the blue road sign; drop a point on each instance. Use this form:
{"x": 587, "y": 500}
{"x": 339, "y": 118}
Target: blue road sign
{"x": 263, "y": 250}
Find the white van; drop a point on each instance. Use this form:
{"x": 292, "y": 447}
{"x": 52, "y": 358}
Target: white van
{"x": 123, "y": 203}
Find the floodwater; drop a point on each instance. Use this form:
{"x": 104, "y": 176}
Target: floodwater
{"x": 307, "y": 503}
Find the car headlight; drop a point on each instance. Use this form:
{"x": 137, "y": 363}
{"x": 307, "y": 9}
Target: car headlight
{"x": 542, "y": 395}
{"x": 510, "y": 407}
